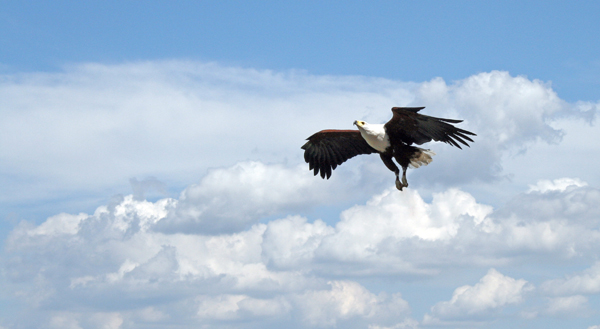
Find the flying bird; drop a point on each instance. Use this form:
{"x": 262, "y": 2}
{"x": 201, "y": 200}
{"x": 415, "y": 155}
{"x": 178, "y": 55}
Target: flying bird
{"x": 328, "y": 149}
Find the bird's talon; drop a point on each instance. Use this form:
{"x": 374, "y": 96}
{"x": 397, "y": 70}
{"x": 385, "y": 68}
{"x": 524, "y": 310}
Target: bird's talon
{"x": 399, "y": 185}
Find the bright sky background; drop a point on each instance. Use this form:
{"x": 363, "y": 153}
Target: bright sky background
{"x": 152, "y": 175}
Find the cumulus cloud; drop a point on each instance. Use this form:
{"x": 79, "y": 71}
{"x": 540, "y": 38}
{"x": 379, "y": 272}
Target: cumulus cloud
{"x": 395, "y": 230}
{"x": 509, "y": 114}
{"x": 293, "y": 269}
{"x": 402, "y": 233}
{"x": 488, "y": 296}
{"x": 555, "y": 223}
{"x": 392, "y": 233}
{"x": 292, "y": 242}
{"x": 59, "y": 224}
{"x": 92, "y": 259}
{"x": 348, "y": 300}
{"x": 231, "y": 199}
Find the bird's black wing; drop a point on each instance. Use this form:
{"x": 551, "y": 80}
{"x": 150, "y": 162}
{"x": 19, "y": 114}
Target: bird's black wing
{"x": 328, "y": 149}
{"x": 409, "y": 127}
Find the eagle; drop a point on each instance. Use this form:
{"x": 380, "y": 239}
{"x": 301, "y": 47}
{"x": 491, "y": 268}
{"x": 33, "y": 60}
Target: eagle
{"x": 328, "y": 149}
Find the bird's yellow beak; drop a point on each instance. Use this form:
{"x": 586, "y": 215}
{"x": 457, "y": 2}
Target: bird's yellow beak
{"x": 359, "y": 123}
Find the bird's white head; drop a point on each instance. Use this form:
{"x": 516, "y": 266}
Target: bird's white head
{"x": 374, "y": 134}
{"x": 359, "y": 123}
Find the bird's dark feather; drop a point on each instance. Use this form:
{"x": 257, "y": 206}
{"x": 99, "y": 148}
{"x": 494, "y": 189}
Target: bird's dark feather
{"x": 408, "y": 127}
{"x": 411, "y": 109}
{"x": 328, "y": 149}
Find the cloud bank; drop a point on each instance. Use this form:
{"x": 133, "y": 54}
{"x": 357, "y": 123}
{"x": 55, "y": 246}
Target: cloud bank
{"x": 258, "y": 242}
{"x": 121, "y": 267}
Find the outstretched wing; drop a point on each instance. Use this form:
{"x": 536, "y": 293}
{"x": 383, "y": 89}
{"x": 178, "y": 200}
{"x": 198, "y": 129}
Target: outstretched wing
{"x": 409, "y": 127}
{"x": 328, "y": 149}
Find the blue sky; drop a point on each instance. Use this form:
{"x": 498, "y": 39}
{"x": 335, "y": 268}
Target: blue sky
{"x": 152, "y": 173}
{"x": 547, "y": 40}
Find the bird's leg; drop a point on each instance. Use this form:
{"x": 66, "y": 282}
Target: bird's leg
{"x": 404, "y": 181}
{"x": 389, "y": 163}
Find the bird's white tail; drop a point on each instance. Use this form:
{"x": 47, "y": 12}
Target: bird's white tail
{"x": 422, "y": 157}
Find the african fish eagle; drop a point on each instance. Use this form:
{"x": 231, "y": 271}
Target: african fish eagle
{"x": 328, "y": 149}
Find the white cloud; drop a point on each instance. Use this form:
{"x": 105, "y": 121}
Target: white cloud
{"x": 60, "y": 224}
{"x": 560, "y": 184}
{"x": 292, "y": 242}
{"x": 507, "y": 113}
{"x": 586, "y": 282}
{"x": 566, "y": 219}
{"x": 395, "y": 231}
{"x": 401, "y": 233}
{"x": 436, "y": 221}
{"x": 345, "y": 303}
{"x": 489, "y": 295}
{"x": 231, "y": 199}
{"x": 513, "y": 110}
{"x": 511, "y": 115}
{"x": 348, "y": 300}
{"x": 571, "y": 306}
